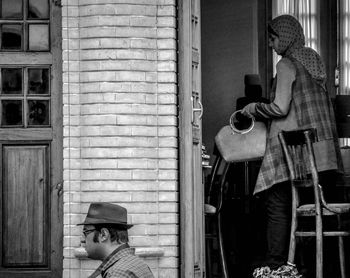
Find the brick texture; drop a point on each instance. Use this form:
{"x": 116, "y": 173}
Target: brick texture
{"x": 120, "y": 123}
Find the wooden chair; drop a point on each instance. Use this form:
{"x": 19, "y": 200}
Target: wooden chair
{"x": 212, "y": 208}
{"x": 298, "y": 149}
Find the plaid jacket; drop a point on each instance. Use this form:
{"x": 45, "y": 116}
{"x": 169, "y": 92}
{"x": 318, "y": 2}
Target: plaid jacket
{"x": 310, "y": 108}
{"x": 122, "y": 263}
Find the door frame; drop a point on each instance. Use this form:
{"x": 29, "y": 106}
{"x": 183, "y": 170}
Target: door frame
{"x": 52, "y": 136}
{"x": 187, "y": 208}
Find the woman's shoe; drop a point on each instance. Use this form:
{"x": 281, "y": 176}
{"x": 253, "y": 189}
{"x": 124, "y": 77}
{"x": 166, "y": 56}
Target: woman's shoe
{"x": 262, "y": 272}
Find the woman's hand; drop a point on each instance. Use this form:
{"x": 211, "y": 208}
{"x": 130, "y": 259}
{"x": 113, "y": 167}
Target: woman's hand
{"x": 249, "y": 110}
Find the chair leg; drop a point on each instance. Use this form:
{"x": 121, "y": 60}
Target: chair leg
{"x": 319, "y": 247}
{"x": 221, "y": 248}
{"x": 341, "y": 252}
{"x": 292, "y": 243}
{"x": 341, "y": 257}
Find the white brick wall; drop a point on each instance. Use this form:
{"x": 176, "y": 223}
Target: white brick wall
{"x": 120, "y": 122}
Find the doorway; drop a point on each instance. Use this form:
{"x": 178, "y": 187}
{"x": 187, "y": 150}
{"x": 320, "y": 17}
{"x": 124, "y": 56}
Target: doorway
{"x": 234, "y": 43}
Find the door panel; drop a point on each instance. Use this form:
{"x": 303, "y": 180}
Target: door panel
{"x": 190, "y": 134}
{"x": 198, "y": 186}
{"x": 25, "y": 238}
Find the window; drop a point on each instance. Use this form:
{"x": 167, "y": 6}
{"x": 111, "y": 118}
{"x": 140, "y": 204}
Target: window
{"x": 344, "y": 47}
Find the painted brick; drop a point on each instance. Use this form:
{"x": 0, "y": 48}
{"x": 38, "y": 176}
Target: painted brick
{"x": 166, "y": 11}
{"x": 144, "y": 241}
{"x": 168, "y": 164}
{"x": 168, "y": 240}
{"x": 124, "y": 152}
{"x": 168, "y": 185}
{"x": 170, "y": 206}
{"x": 168, "y": 142}
{"x": 72, "y": 44}
{"x": 166, "y": 77}
{"x": 168, "y": 229}
{"x": 144, "y": 229}
{"x": 143, "y": 2}
{"x": 168, "y": 262}
{"x": 167, "y": 88}
{"x": 123, "y": 141}
{"x": 106, "y": 174}
{"x": 167, "y": 131}
{"x": 71, "y": 263}
{"x": 71, "y": 22}
{"x": 166, "y": 66}
{"x": 167, "y": 174}
{"x": 167, "y": 55}
{"x": 144, "y": 174}
{"x": 106, "y": 197}
{"x": 144, "y": 218}
{"x": 166, "y": 32}
{"x": 130, "y": 185}
{"x": 143, "y": 21}
{"x": 167, "y": 99}
{"x": 145, "y": 88}
{"x": 98, "y": 120}
{"x": 120, "y": 9}
{"x": 167, "y": 109}
{"x": 166, "y": 44}
{"x": 166, "y": 22}
{"x": 71, "y": 33}
{"x": 73, "y": 11}
{"x": 116, "y": 20}
{"x": 168, "y": 196}
{"x": 168, "y": 153}
{"x": 144, "y": 196}
{"x": 166, "y": 273}
{"x": 71, "y": 186}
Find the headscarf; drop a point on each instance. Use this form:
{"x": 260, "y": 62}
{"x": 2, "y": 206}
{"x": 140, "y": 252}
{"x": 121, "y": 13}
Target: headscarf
{"x": 292, "y": 44}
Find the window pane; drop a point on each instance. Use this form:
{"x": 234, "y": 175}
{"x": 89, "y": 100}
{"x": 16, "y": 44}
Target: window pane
{"x": 11, "y": 112}
{"x": 11, "y": 9}
{"x": 11, "y": 36}
{"x": 39, "y": 112}
{"x": 38, "y": 9}
{"x": 38, "y": 81}
{"x": 11, "y": 81}
{"x": 38, "y": 37}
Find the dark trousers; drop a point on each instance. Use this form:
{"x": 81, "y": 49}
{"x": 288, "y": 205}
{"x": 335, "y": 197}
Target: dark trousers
{"x": 278, "y": 204}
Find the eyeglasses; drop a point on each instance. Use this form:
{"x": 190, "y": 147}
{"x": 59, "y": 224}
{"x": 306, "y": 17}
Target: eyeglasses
{"x": 86, "y": 232}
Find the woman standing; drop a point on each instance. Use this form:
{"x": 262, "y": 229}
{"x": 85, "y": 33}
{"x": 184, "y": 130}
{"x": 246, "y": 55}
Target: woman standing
{"x": 299, "y": 100}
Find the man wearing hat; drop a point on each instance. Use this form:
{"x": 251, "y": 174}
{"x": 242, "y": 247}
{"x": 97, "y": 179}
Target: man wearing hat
{"x": 106, "y": 237}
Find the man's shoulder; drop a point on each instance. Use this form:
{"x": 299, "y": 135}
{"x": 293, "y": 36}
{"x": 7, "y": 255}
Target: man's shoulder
{"x": 129, "y": 266}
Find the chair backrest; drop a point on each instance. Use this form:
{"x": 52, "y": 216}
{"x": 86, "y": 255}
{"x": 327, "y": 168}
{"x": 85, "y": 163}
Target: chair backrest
{"x": 298, "y": 149}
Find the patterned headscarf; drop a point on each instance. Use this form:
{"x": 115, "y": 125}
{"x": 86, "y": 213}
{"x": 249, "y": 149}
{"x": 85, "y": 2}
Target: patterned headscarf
{"x": 292, "y": 44}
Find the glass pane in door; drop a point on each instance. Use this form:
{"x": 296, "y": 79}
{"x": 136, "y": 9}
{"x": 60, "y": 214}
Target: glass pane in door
{"x": 38, "y": 37}
{"x": 11, "y": 36}
{"x": 11, "y": 9}
{"x": 38, "y": 9}
{"x": 11, "y": 81}
{"x": 39, "y": 112}
{"x": 38, "y": 81}
{"x": 11, "y": 113}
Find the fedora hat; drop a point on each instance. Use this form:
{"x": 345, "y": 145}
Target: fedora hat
{"x": 106, "y": 213}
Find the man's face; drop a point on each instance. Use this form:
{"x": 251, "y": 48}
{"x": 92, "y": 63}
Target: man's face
{"x": 94, "y": 249}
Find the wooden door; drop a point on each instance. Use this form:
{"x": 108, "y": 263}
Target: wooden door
{"x": 30, "y": 139}
{"x": 190, "y": 113}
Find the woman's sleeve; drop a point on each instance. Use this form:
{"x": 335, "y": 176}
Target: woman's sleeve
{"x": 279, "y": 108}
